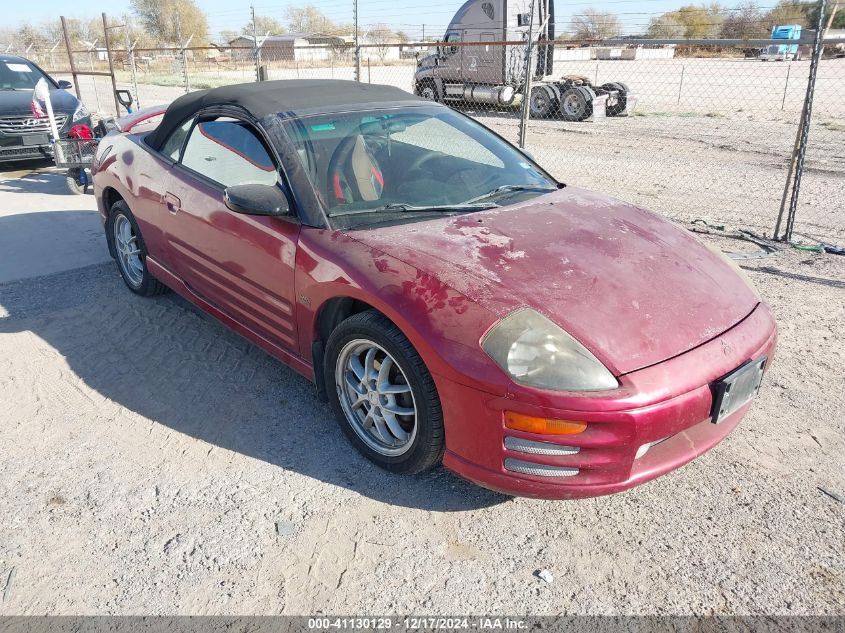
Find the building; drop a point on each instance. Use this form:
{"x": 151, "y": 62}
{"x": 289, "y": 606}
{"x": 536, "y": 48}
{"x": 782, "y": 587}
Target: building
{"x": 292, "y": 47}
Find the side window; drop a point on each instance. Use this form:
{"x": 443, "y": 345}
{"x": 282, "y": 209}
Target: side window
{"x": 174, "y": 141}
{"x": 452, "y": 37}
{"x": 229, "y": 152}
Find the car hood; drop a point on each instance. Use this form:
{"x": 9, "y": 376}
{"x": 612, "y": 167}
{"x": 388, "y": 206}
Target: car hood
{"x": 631, "y": 286}
{"x": 19, "y": 102}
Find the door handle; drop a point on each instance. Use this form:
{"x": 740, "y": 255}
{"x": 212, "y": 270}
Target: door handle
{"x": 172, "y": 202}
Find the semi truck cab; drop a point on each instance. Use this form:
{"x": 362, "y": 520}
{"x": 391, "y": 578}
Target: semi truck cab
{"x": 472, "y": 65}
{"x": 783, "y": 52}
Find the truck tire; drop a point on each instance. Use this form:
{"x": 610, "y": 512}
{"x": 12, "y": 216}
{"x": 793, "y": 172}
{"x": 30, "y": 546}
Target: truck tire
{"x": 576, "y": 103}
{"x": 427, "y": 89}
{"x": 542, "y": 102}
{"x": 621, "y": 98}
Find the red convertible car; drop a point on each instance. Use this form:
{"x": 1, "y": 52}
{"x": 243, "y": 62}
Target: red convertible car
{"x": 452, "y": 300}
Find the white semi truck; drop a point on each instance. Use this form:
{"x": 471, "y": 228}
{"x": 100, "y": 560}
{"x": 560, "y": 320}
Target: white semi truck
{"x": 471, "y": 66}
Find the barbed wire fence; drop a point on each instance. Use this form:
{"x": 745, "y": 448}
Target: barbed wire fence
{"x": 706, "y": 134}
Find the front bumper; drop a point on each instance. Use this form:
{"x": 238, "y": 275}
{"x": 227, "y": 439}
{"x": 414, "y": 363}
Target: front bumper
{"x": 667, "y": 406}
{"x": 13, "y": 147}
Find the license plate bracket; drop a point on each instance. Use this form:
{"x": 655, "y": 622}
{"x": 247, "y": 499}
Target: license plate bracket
{"x": 737, "y": 389}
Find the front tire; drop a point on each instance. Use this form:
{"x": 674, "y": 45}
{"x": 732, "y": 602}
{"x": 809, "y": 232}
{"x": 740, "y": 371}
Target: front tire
{"x": 75, "y": 182}
{"x": 427, "y": 89}
{"x": 130, "y": 252}
{"x": 382, "y": 394}
{"x": 542, "y": 102}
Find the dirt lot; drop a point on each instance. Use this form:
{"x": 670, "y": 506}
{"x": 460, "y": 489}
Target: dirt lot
{"x": 153, "y": 462}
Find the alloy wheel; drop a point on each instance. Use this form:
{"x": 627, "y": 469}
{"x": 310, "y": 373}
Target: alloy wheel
{"x": 376, "y": 398}
{"x": 128, "y": 251}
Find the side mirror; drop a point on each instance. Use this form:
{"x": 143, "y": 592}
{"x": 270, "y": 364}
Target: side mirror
{"x": 257, "y": 200}
{"x": 64, "y": 84}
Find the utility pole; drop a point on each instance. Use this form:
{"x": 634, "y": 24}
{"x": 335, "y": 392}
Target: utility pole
{"x": 357, "y": 44}
{"x": 256, "y": 49}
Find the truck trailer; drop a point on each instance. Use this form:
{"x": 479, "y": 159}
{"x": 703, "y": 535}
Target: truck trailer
{"x": 473, "y": 65}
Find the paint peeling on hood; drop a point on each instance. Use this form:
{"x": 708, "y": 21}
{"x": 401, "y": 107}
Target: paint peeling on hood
{"x": 631, "y": 286}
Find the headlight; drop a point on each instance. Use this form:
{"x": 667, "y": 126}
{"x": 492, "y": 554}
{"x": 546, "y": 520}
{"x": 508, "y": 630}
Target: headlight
{"x": 80, "y": 113}
{"x": 537, "y": 353}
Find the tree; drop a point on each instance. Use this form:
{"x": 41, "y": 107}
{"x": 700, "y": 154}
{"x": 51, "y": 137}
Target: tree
{"x": 666, "y": 27}
{"x": 745, "y": 22}
{"x": 263, "y": 25}
{"x": 697, "y": 21}
{"x": 381, "y": 35}
{"x": 593, "y": 24}
{"x": 813, "y": 16}
{"x": 309, "y": 19}
{"x": 159, "y": 19}
{"x": 227, "y": 35}
{"x": 789, "y": 12}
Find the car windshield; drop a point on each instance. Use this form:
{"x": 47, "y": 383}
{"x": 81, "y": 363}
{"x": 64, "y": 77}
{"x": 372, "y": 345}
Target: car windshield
{"x": 20, "y": 75}
{"x": 368, "y": 167}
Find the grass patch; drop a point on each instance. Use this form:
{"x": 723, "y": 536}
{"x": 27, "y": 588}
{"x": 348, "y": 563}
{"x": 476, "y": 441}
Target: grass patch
{"x": 833, "y": 126}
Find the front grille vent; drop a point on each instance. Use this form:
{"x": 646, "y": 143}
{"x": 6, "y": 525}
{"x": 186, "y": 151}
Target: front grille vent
{"x": 22, "y": 125}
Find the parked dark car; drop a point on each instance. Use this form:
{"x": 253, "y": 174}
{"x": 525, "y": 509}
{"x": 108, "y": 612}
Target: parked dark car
{"x": 23, "y": 136}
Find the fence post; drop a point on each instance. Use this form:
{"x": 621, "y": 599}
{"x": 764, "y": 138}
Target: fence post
{"x": 797, "y": 163}
{"x": 111, "y": 65}
{"x": 256, "y": 50}
{"x": 785, "y": 86}
{"x": 130, "y": 55}
{"x": 357, "y": 42}
{"x": 681, "y": 84}
{"x": 182, "y": 56}
{"x": 526, "y": 84}
{"x": 70, "y": 59}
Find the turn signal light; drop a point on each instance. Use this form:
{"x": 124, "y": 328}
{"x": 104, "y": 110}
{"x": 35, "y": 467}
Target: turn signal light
{"x": 546, "y": 426}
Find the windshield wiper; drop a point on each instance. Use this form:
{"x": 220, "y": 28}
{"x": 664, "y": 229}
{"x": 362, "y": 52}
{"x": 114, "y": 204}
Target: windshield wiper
{"x": 463, "y": 207}
{"x": 509, "y": 188}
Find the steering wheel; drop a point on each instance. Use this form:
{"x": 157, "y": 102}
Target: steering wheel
{"x": 338, "y": 178}
{"x": 422, "y": 160}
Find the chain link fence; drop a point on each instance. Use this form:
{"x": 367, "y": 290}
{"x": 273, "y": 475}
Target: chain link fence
{"x": 701, "y": 132}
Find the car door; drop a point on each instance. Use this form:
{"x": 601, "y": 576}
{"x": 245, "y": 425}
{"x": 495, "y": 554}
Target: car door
{"x": 241, "y": 264}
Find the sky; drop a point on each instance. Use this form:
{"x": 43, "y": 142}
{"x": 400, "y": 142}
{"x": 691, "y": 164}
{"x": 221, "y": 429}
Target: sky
{"x": 409, "y": 16}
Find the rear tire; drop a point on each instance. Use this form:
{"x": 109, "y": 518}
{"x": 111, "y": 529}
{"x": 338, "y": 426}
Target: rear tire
{"x": 375, "y": 379}
{"x": 576, "y": 103}
{"x": 621, "y": 98}
{"x": 542, "y": 102}
{"x": 130, "y": 252}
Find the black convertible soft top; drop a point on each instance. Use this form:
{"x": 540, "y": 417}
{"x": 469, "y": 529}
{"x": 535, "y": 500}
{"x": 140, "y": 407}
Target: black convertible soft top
{"x": 290, "y": 98}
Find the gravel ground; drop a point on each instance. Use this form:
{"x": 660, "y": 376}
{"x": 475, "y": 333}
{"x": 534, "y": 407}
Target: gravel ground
{"x": 153, "y": 462}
